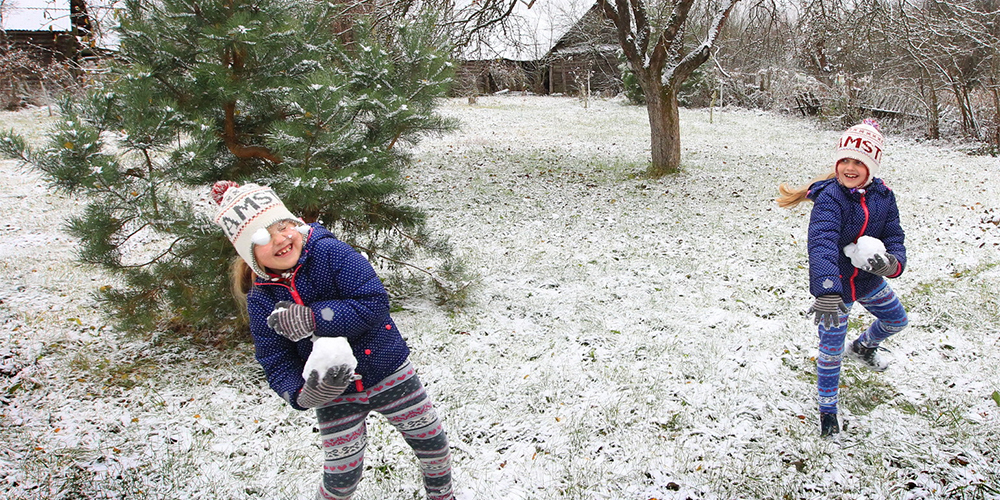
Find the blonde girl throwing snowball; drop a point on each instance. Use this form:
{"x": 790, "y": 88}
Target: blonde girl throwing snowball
{"x": 855, "y": 241}
{"x": 319, "y": 317}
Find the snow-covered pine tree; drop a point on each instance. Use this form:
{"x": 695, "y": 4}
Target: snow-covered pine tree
{"x": 248, "y": 90}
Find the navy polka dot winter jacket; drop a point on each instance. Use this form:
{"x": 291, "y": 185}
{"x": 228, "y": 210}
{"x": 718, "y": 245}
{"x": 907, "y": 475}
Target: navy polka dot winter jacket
{"x": 839, "y": 217}
{"x": 347, "y": 300}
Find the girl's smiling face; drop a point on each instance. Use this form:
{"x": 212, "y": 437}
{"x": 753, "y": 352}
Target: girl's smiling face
{"x": 851, "y": 173}
{"x": 283, "y": 250}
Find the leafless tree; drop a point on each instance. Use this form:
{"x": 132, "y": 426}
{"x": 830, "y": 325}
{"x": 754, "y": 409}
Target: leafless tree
{"x": 953, "y": 45}
{"x": 477, "y": 21}
{"x": 754, "y": 49}
{"x": 915, "y": 42}
{"x": 653, "y": 38}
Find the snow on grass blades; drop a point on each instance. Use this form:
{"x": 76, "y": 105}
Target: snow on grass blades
{"x": 628, "y": 339}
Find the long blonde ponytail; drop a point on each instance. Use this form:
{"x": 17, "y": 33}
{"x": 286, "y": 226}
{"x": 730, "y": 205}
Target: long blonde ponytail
{"x": 241, "y": 277}
{"x": 791, "y": 197}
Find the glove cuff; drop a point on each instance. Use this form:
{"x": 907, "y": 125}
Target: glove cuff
{"x": 891, "y": 269}
{"x": 895, "y": 266}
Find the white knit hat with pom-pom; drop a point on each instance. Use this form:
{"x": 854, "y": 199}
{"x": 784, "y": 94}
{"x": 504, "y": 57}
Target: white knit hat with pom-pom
{"x": 245, "y": 212}
{"x": 862, "y": 142}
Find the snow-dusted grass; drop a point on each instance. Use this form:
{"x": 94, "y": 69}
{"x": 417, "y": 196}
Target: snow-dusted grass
{"x": 628, "y": 338}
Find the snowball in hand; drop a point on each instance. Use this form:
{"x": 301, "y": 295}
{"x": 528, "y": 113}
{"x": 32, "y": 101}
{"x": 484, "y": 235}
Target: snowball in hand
{"x": 329, "y": 352}
{"x": 864, "y": 249}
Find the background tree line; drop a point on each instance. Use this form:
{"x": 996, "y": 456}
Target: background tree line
{"x": 927, "y": 66}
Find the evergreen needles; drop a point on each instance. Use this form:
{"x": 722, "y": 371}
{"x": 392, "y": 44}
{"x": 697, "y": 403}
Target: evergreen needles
{"x": 266, "y": 91}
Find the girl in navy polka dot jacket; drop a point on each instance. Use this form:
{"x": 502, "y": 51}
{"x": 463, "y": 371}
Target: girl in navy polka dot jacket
{"x": 319, "y": 317}
{"x": 855, "y": 242}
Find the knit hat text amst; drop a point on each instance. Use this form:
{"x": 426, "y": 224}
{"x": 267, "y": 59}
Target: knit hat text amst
{"x": 234, "y": 218}
{"x": 863, "y": 142}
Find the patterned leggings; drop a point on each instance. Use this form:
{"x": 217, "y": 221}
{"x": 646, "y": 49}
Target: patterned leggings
{"x": 402, "y": 400}
{"x": 891, "y": 319}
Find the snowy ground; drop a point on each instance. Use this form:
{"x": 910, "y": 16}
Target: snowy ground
{"x": 629, "y": 338}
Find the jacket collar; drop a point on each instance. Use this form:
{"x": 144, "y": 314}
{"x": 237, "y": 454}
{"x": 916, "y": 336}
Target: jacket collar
{"x": 875, "y": 186}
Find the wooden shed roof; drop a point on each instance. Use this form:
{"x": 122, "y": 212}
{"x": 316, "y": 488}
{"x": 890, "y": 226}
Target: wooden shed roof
{"x": 537, "y": 26}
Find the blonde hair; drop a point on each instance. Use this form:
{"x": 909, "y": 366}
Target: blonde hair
{"x": 791, "y": 197}
{"x": 241, "y": 276}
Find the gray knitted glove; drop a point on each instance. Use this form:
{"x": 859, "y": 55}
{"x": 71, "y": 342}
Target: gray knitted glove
{"x": 883, "y": 266}
{"x": 828, "y": 308}
{"x": 328, "y": 371}
{"x": 318, "y": 392}
{"x": 292, "y": 321}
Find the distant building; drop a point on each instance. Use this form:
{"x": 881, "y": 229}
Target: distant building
{"x": 585, "y": 57}
{"x": 49, "y": 30}
{"x": 555, "y": 46}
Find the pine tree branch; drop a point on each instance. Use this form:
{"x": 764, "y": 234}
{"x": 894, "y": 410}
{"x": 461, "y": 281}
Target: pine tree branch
{"x": 152, "y": 184}
{"x": 374, "y": 253}
{"x": 393, "y": 142}
{"x": 133, "y": 233}
{"x": 233, "y": 144}
{"x": 18, "y": 154}
{"x": 168, "y": 251}
{"x": 404, "y": 234}
{"x": 182, "y": 97}
{"x": 102, "y": 188}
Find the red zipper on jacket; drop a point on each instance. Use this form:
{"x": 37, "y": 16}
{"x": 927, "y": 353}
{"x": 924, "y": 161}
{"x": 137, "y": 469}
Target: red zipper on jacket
{"x": 298, "y": 299}
{"x": 864, "y": 226}
{"x": 290, "y": 286}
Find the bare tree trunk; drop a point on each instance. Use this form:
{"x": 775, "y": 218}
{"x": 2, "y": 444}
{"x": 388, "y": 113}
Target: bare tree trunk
{"x": 665, "y": 131}
{"x": 649, "y": 53}
{"x": 995, "y": 92}
{"x": 969, "y": 125}
{"x": 934, "y": 119}
{"x": 928, "y": 93}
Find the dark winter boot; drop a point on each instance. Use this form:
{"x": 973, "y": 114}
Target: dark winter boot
{"x": 828, "y": 424}
{"x": 868, "y": 356}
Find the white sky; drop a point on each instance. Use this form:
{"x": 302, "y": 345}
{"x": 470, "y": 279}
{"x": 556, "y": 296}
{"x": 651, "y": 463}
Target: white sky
{"x": 36, "y": 15}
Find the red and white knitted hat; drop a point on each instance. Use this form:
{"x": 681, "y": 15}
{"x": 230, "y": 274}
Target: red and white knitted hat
{"x": 862, "y": 142}
{"x": 245, "y": 212}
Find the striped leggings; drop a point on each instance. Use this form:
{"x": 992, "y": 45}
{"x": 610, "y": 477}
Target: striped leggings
{"x": 890, "y": 319}
{"x": 402, "y": 400}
